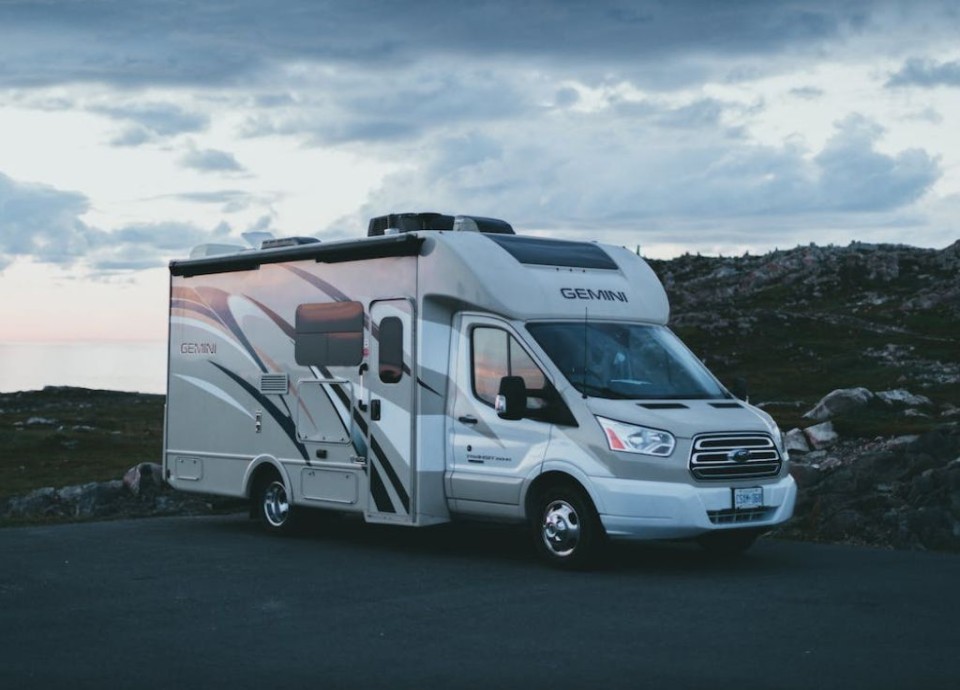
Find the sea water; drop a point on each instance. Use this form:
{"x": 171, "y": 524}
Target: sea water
{"x": 122, "y": 366}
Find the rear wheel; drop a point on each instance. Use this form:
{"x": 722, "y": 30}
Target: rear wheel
{"x": 728, "y": 542}
{"x": 273, "y": 506}
{"x": 566, "y": 528}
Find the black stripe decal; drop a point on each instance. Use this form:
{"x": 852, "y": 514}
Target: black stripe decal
{"x": 288, "y": 330}
{"x": 332, "y": 292}
{"x": 319, "y": 283}
{"x": 421, "y": 382}
{"x": 286, "y": 423}
{"x": 391, "y": 473}
{"x": 186, "y": 305}
{"x": 379, "y": 492}
{"x": 360, "y": 422}
{"x": 218, "y": 301}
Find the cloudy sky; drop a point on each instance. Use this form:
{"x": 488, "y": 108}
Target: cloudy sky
{"x": 132, "y": 130}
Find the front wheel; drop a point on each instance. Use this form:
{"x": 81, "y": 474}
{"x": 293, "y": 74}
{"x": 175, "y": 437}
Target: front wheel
{"x": 273, "y": 506}
{"x": 566, "y": 528}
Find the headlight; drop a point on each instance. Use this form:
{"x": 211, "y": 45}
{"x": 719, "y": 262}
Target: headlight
{"x": 628, "y": 438}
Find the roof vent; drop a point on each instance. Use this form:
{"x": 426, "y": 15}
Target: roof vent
{"x": 395, "y": 223}
{"x": 276, "y": 243}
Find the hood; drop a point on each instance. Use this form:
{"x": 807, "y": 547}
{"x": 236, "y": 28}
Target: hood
{"x": 686, "y": 418}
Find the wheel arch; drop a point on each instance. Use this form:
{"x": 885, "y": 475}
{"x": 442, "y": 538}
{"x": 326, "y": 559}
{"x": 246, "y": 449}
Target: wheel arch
{"x": 554, "y": 473}
{"x": 260, "y": 466}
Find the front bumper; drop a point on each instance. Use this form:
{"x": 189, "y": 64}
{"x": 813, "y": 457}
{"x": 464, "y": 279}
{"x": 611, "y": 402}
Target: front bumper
{"x": 635, "y": 509}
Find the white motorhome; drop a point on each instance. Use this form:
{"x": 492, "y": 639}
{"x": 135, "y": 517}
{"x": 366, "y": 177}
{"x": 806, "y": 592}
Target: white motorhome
{"x": 445, "y": 367}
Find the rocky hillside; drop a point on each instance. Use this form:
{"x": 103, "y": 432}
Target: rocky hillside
{"x": 796, "y": 324}
{"x": 856, "y": 352}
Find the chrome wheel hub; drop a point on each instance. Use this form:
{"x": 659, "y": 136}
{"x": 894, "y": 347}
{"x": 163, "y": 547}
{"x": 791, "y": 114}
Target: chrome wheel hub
{"x": 276, "y": 508}
{"x": 560, "y": 529}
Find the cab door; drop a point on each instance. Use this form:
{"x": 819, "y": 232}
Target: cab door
{"x": 492, "y": 457}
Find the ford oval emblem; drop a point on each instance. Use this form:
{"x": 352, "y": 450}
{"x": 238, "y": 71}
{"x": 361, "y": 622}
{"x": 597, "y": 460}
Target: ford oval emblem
{"x": 738, "y": 455}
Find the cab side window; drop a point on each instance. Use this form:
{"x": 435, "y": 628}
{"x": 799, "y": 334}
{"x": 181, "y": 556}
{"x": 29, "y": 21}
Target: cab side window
{"x": 497, "y": 354}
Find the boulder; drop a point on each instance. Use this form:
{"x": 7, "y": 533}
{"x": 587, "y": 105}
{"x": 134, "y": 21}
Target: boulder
{"x": 796, "y": 442}
{"x": 88, "y": 500}
{"x": 839, "y": 401}
{"x": 821, "y": 435}
{"x": 904, "y": 398}
{"x": 144, "y": 479}
{"x": 38, "y": 502}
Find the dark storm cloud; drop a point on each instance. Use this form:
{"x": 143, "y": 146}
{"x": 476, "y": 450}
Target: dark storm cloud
{"x": 564, "y": 114}
{"x": 141, "y": 42}
{"x": 132, "y": 136}
{"x": 624, "y": 176}
{"x": 926, "y": 74}
{"x": 385, "y": 107}
{"x": 37, "y": 220}
{"x": 807, "y": 92}
{"x": 229, "y": 200}
{"x": 44, "y": 224}
{"x": 160, "y": 119}
{"x": 854, "y": 176}
{"x": 210, "y": 160}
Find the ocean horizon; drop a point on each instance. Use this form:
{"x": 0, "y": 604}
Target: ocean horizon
{"x": 138, "y": 367}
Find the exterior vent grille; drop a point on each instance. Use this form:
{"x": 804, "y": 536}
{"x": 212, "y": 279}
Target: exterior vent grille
{"x": 275, "y": 384}
{"x": 722, "y": 457}
{"x": 729, "y": 516}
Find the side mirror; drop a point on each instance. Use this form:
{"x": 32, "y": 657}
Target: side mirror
{"x": 511, "y": 402}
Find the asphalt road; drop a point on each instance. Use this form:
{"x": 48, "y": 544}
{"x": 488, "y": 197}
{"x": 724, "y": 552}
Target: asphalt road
{"x": 213, "y": 602}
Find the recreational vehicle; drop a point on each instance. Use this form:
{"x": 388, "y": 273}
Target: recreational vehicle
{"x": 445, "y": 367}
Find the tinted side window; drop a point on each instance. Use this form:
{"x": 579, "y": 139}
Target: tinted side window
{"x": 489, "y": 362}
{"x": 497, "y": 354}
{"x": 521, "y": 365}
{"x": 391, "y": 349}
{"x": 329, "y": 334}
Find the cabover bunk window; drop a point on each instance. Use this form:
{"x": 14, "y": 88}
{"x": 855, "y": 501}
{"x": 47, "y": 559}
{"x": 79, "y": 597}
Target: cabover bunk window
{"x": 540, "y": 251}
{"x": 329, "y": 334}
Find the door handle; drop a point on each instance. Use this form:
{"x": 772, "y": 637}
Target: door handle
{"x": 467, "y": 419}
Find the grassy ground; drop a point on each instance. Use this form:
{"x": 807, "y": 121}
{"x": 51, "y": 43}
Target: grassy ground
{"x": 94, "y": 436}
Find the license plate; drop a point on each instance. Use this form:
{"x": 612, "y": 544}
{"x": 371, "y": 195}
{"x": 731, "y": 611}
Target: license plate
{"x": 748, "y": 498}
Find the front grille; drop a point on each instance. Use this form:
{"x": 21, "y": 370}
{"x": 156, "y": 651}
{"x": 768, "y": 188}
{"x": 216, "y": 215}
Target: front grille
{"x": 730, "y": 516}
{"x": 712, "y": 457}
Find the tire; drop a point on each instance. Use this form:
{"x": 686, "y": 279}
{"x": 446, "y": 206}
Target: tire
{"x": 728, "y": 543}
{"x": 566, "y": 528}
{"x": 272, "y": 506}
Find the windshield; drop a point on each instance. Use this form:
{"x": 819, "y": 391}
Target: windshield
{"x": 620, "y": 360}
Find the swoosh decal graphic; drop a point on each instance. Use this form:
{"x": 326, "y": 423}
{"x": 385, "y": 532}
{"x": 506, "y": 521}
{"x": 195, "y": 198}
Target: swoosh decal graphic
{"x": 218, "y": 301}
{"x": 286, "y": 423}
{"x": 215, "y": 392}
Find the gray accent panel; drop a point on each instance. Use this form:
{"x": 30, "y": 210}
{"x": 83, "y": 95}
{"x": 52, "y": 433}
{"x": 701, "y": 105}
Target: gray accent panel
{"x": 486, "y": 488}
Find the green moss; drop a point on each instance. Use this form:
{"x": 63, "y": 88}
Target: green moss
{"x": 97, "y": 436}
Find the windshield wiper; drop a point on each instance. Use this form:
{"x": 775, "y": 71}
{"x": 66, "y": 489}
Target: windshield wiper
{"x": 603, "y": 392}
